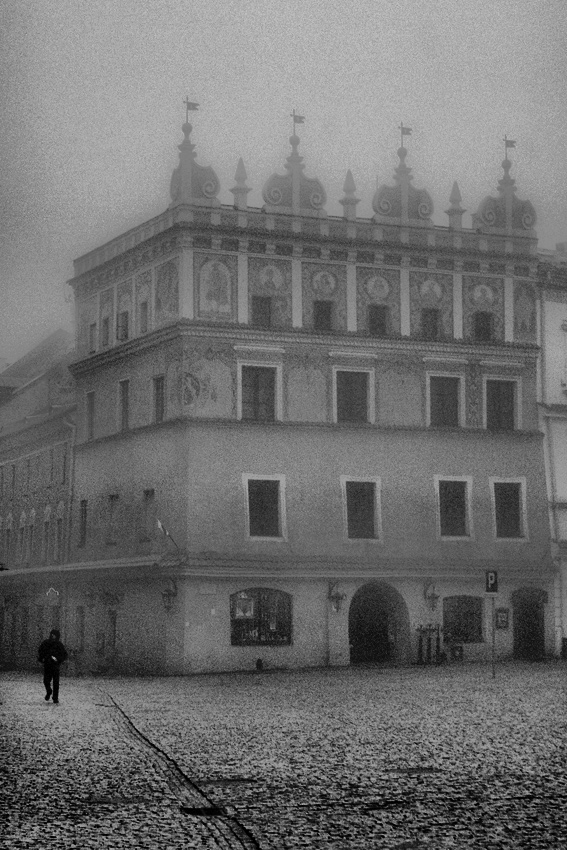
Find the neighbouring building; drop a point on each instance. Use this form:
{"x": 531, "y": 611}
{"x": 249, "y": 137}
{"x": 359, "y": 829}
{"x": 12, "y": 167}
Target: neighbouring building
{"x": 303, "y": 438}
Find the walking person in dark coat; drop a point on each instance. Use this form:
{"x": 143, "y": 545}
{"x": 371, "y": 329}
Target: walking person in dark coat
{"x": 51, "y": 654}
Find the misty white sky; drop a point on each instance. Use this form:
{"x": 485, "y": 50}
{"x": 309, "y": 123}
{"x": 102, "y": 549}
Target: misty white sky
{"x": 91, "y": 103}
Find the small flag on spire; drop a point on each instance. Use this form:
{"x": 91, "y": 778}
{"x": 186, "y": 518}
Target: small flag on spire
{"x": 297, "y": 119}
{"x": 508, "y": 143}
{"x": 406, "y": 131}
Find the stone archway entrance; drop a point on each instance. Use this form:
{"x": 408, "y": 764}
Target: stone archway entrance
{"x": 378, "y": 625}
{"x": 529, "y": 623}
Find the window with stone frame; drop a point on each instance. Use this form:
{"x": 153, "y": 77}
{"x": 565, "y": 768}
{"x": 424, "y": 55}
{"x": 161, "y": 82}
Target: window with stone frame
{"x": 500, "y": 401}
{"x": 454, "y": 507}
{"x": 144, "y": 317}
{"x": 124, "y": 405}
{"x": 90, "y": 415}
{"x": 122, "y": 326}
{"x": 483, "y": 326}
{"x": 105, "y": 336}
{"x": 261, "y": 311}
{"x": 509, "y": 509}
{"x": 264, "y": 507}
{"x": 431, "y": 328}
{"x": 159, "y": 398}
{"x": 462, "y": 619}
{"x": 444, "y": 401}
{"x": 352, "y": 396}
{"x": 259, "y": 393}
{"x": 361, "y": 509}
{"x": 378, "y": 320}
{"x": 322, "y": 315}
{"x": 260, "y": 616}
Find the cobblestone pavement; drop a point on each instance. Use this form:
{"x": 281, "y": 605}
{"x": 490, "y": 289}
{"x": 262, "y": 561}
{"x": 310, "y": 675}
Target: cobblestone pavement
{"x": 356, "y": 758}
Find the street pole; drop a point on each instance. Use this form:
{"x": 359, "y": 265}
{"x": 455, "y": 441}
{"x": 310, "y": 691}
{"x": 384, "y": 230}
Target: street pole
{"x": 493, "y": 638}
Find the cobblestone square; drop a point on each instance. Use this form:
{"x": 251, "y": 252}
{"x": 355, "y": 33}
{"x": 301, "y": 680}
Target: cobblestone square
{"x": 351, "y": 758}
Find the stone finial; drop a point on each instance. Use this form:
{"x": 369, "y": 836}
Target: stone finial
{"x": 241, "y": 190}
{"x": 350, "y": 200}
{"x": 455, "y": 211}
{"x": 191, "y": 183}
{"x": 294, "y": 192}
{"x": 402, "y": 202}
{"x": 506, "y": 213}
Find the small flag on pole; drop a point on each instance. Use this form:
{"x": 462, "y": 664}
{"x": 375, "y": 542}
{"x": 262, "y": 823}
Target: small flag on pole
{"x": 508, "y": 143}
{"x": 406, "y": 131}
{"x": 162, "y": 528}
{"x": 297, "y": 119}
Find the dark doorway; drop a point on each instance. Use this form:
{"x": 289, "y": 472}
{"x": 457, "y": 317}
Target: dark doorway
{"x": 378, "y": 625}
{"x": 529, "y": 623}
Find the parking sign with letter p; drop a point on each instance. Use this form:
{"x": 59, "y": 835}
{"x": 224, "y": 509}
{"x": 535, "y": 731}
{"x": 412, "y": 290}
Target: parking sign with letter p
{"x": 491, "y": 581}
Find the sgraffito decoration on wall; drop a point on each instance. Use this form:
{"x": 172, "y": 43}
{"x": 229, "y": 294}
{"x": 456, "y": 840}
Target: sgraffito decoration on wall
{"x": 326, "y": 283}
{"x": 200, "y": 385}
{"x": 167, "y": 293}
{"x": 272, "y": 279}
{"x": 485, "y": 295}
{"x": 215, "y": 290}
{"x": 430, "y": 290}
{"x": 143, "y": 295}
{"x": 524, "y": 313}
{"x": 378, "y": 286}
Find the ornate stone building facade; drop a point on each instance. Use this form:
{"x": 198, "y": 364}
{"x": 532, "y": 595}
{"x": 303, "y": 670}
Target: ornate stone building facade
{"x": 334, "y": 418}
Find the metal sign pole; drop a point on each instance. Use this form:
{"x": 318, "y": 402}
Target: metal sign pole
{"x": 493, "y": 637}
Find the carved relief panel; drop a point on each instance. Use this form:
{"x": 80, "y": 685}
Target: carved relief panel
{"x": 524, "y": 313}
{"x": 272, "y": 279}
{"x": 216, "y": 281}
{"x": 167, "y": 292}
{"x": 324, "y": 283}
{"x": 483, "y": 295}
{"x": 378, "y": 286}
{"x": 431, "y": 291}
{"x": 200, "y": 384}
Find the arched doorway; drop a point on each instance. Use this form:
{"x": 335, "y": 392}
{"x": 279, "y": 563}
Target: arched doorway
{"x": 378, "y": 625}
{"x": 529, "y": 623}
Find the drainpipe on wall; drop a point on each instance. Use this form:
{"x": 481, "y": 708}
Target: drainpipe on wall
{"x": 71, "y": 489}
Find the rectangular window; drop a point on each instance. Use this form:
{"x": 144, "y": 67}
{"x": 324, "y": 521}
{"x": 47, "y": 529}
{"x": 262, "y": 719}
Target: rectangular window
{"x": 265, "y": 506}
{"x": 83, "y": 519}
{"x": 111, "y": 519}
{"x": 144, "y": 317}
{"x": 122, "y": 329}
{"x": 259, "y": 393}
{"x": 159, "y": 398}
{"x": 500, "y": 401}
{"x": 90, "y": 415}
{"x": 431, "y": 323}
{"x": 59, "y": 541}
{"x": 361, "y": 509}
{"x": 378, "y": 320}
{"x": 149, "y": 519}
{"x": 92, "y": 338}
{"x": 444, "y": 401}
{"x": 261, "y": 311}
{"x": 454, "y": 507}
{"x": 483, "y": 326}
{"x": 462, "y": 619}
{"x": 509, "y": 509}
{"x": 105, "y": 342}
{"x": 352, "y": 396}
{"x": 323, "y": 315}
{"x": 124, "y": 402}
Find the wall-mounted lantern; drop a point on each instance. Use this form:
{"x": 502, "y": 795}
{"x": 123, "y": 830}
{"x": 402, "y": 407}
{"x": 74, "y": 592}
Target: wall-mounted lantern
{"x": 430, "y": 594}
{"x": 168, "y": 595}
{"x": 336, "y": 598}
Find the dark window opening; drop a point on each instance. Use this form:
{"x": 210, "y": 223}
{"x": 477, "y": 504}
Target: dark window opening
{"x": 259, "y": 617}
{"x": 264, "y": 508}
{"x": 261, "y": 311}
{"x": 453, "y": 508}
{"x": 444, "y": 402}
{"x": 106, "y": 332}
{"x": 431, "y": 323}
{"x": 361, "y": 501}
{"x": 483, "y": 327}
{"x": 90, "y": 415}
{"x": 111, "y": 519}
{"x": 149, "y": 519}
{"x": 462, "y": 619}
{"x": 323, "y": 315}
{"x": 352, "y": 396}
{"x": 500, "y": 405}
{"x": 122, "y": 326}
{"x": 259, "y": 393}
{"x": 159, "y": 399}
{"x": 144, "y": 317}
{"x": 378, "y": 320}
{"x": 83, "y": 516}
{"x": 508, "y": 508}
{"x": 124, "y": 405}
{"x": 92, "y": 338}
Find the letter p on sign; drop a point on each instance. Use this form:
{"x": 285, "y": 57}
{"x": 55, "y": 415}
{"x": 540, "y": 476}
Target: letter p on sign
{"x": 491, "y": 581}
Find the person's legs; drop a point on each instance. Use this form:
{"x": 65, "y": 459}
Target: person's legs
{"x": 56, "y": 686}
{"x": 47, "y": 682}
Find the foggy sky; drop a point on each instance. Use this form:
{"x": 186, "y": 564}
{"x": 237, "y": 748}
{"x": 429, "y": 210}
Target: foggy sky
{"x": 92, "y": 91}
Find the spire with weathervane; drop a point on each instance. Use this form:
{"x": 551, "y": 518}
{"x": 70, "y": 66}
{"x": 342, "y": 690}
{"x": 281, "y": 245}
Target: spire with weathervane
{"x": 192, "y": 184}
{"x": 294, "y": 192}
{"x": 506, "y": 213}
{"x": 402, "y": 203}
